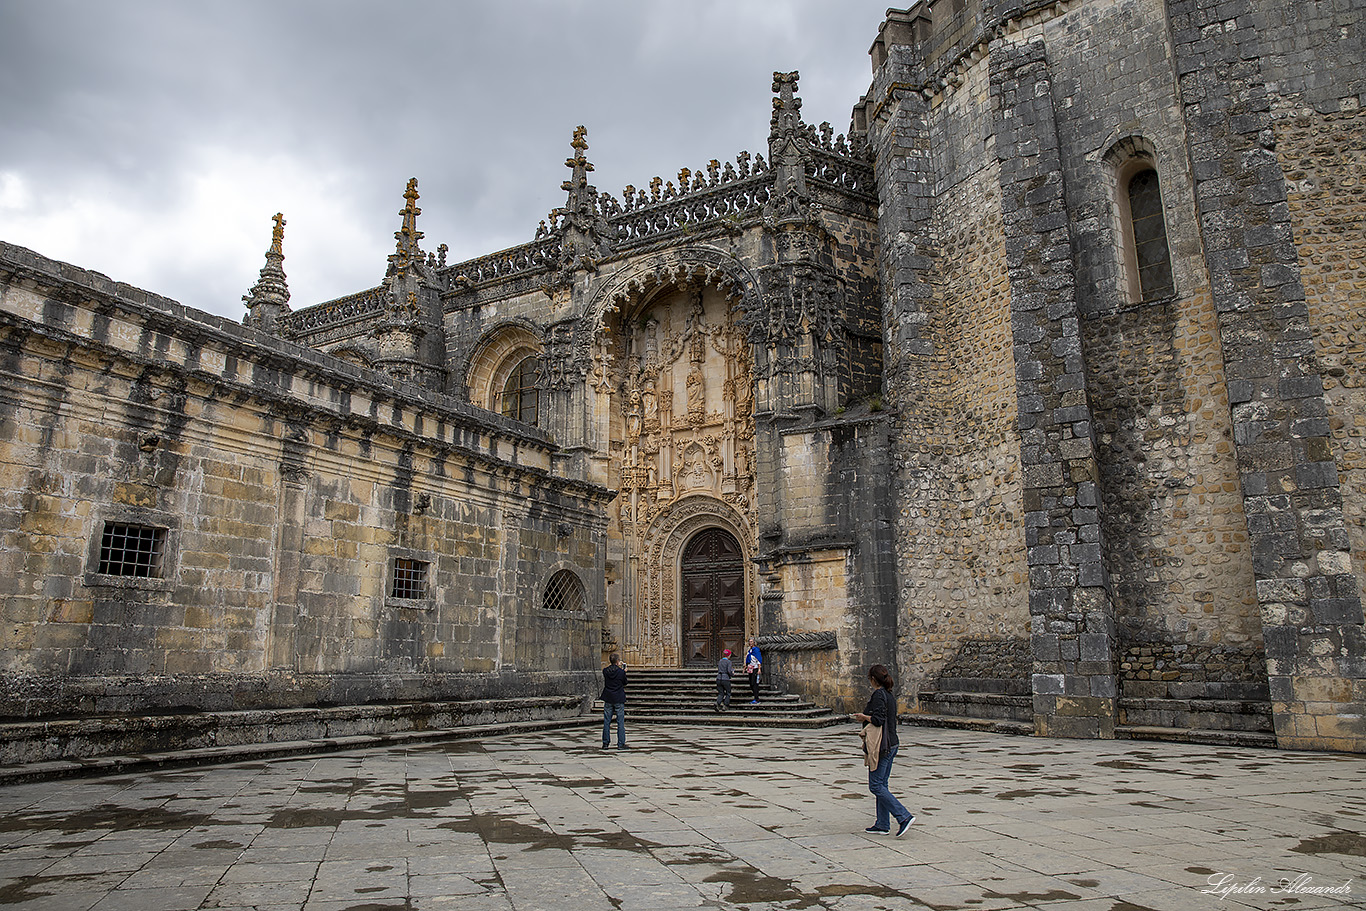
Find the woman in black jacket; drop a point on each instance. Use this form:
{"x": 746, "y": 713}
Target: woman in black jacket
{"x": 881, "y": 713}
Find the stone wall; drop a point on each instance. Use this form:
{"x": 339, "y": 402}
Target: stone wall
{"x": 285, "y": 486}
{"x": 1136, "y": 437}
{"x": 1324, "y": 157}
{"x": 1178, "y": 555}
{"x": 1227, "y": 59}
{"x": 831, "y": 571}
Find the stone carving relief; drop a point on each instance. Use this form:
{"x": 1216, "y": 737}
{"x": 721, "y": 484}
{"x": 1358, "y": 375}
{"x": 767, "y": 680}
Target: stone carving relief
{"x": 683, "y": 393}
{"x": 674, "y": 368}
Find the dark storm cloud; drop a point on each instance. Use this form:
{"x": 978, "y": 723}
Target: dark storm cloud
{"x": 153, "y": 140}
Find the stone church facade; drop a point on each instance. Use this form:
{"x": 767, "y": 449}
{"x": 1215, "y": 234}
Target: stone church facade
{"x": 1042, "y": 385}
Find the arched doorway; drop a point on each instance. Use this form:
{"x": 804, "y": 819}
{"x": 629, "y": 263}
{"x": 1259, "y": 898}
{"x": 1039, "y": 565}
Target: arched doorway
{"x": 713, "y": 575}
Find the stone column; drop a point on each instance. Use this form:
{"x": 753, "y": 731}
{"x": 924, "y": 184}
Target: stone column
{"x": 282, "y": 648}
{"x": 509, "y": 601}
{"x": 1072, "y": 613}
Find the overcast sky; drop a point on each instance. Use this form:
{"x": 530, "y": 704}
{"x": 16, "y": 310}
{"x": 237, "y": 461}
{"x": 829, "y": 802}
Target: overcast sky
{"x": 152, "y": 141}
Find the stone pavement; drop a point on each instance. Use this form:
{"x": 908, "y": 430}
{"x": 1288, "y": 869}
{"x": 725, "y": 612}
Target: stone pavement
{"x": 705, "y": 817}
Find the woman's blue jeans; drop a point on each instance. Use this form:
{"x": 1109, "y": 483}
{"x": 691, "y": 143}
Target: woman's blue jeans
{"x": 888, "y": 807}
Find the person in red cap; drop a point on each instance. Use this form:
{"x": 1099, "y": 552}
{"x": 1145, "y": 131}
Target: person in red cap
{"x": 723, "y": 672}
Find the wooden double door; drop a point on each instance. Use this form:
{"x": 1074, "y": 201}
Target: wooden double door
{"x": 713, "y": 588}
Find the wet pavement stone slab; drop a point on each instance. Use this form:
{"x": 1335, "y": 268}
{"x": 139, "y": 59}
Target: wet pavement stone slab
{"x": 690, "y": 817}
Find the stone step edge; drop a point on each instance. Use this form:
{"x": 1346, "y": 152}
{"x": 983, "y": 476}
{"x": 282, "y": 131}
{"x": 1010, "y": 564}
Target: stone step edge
{"x": 1195, "y": 735}
{"x": 1122, "y": 732}
{"x": 249, "y": 752}
{"x": 642, "y": 693}
{"x": 984, "y": 698}
{"x": 230, "y": 718}
{"x": 640, "y": 711}
{"x": 687, "y": 705}
{"x": 965, "y": 723}
{"x": 1202, "y": 704}
{"x": 737, "y": 719}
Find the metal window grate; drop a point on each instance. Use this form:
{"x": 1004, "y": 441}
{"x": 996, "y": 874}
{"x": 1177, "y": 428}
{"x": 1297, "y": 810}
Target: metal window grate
{"x": 410, "y": 579}
{"x": 564, "y": 592}
{"x": 132, "y": 550}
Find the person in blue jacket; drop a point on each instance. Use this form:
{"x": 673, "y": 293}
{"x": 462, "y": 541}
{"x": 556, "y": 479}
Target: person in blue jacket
{"x": 614, "y": 701}
{"x": 753, "y": 666}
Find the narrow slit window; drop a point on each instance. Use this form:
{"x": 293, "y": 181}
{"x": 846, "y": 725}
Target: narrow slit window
{"x": 134, "y": 551}
{"x": 410, "y": 579}
{"x": 1152, "y": 260}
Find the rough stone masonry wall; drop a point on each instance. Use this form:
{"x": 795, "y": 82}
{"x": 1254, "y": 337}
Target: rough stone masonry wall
{"x": 289, "y": 484}
{"x": 1178, "y": 551}
{"x": 914, "y": 369}
{"x": 839, "y": 581}
{"x": 974, "y": 584}
{"x": 1324, "y": 157}
{"x": 1176, "y": 544}
{"x": 1310, "y": 599}
{"x": 1317, "y": 65}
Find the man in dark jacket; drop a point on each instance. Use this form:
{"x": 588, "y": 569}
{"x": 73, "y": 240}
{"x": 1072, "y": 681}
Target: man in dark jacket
{"x": 614, "y": 701}
{"x": 723, "y": 674}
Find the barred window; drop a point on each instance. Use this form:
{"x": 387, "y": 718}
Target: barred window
{"x": 410, "y": 579}
{"x": 564, "y": 592}
{"x": 137, "y": 551}
{"x": 521, "y": 396}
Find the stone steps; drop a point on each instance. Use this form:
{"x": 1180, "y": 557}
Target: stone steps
{"x": 89, "y": 739}
{"x": 963, "y": 723}
{"x": 1197, "y": 714}
{"x": 1194, "y": 735}
{"x": 688, "y": 696}
{"x": 988, "y": 706}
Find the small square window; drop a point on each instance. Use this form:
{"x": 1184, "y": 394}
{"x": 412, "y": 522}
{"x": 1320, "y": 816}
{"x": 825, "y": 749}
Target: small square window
{"x": 410, "y": 579}
{"x": 135, "y": 551}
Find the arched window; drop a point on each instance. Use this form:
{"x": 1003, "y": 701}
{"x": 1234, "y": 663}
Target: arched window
{"x": 1151, "y": 260}
{"x": 521, "y": 398}
{"x": 1145, "y": 265}
{"x": 564, "y": 592}
{"x": 498, "y": 365}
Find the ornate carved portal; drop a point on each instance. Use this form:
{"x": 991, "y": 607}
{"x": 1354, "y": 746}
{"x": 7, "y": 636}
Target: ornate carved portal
{"x": 675, "y": 378}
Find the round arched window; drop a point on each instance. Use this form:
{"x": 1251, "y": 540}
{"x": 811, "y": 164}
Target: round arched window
{"x": 564, "y": 592}
{"x": 521, "y": 395}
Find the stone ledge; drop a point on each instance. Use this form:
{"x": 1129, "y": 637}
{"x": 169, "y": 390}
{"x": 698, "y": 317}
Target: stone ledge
{"x": 92, "y": 738}
{"x": 985, "y": 706}
{"x": 1190, "y": 735}
{"x": 122, "y": 764}
{"x": 984, "y": 685}
{"x": 954, "y": 722}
